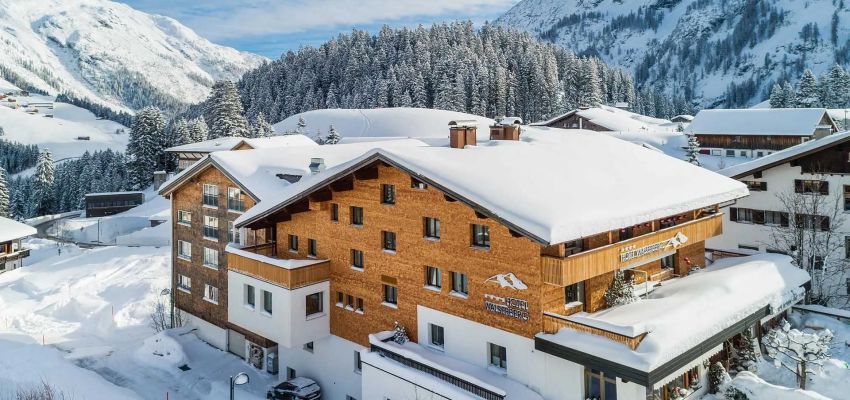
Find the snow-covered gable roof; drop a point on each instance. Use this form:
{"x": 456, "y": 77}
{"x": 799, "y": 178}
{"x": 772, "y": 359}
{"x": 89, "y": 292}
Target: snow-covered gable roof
{"x": 785, "y": 156}
{"x": 12, "y": 230}
{"x": 614, "y": 119}
{"x": 684, "y": 313}
{"x": 553, "y": 186}
{"x": 758, "y": 121}
{"x": 230, "y": 143}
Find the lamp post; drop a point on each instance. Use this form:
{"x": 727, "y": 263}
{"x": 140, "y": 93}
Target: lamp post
{"x": 167, "y": 292}
{"x": 238, "y": 380}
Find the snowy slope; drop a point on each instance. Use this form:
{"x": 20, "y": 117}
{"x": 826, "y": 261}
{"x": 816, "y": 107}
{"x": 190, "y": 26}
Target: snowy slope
{"x": 108, "y": 52}
{"x": 699, "y": 45}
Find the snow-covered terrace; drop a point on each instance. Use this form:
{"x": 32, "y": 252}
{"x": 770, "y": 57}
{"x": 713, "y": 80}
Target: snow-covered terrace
{"x": 432, "y": 365}
{"x": 686, "y": 313}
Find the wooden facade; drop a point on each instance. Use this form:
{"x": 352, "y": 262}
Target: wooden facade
{"x": 750, "y": 142}
{"x": 283, "y": 277}
{"x": 575, "y": 121}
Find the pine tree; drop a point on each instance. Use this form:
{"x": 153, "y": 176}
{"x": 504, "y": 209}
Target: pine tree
{"x": 692, "y": 152}
{"x": 43, "y": 189}
{"x": 180, "y": 133}
{"x": 198, "y": 130}
{"x": 790, "y": 95}
{"x": 4, "y": 194}
{"x": 621, "y": 291}
{"x": 807, "y": 90}
{"x": 145, "y": 148}
{"x": 261, "y": 127}
{"x": 777, "y": 96}
{"x": 718, "y": 378}
{"x": 333, "y": 137}
{"x": 225, "y": 112}
{"x": 588, "y": 84}
{"x": 746, "y": 351}
{"x": 400, "y": 333}
{"x": 301, "y": 129}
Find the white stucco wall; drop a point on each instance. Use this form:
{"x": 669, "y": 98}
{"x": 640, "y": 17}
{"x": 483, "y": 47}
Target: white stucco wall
{"x": 207, "y": 332}
{"x": 331, "y": 365}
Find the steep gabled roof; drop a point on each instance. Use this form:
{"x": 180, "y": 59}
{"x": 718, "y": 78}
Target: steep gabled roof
{"x": 553, "y": 186}
{"x": 759, "y": 121}
{"x": 785, "y": 156}
{"x": 614, "y": 119}
{"x": 231, "y": 143}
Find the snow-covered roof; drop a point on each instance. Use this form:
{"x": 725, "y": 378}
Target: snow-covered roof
{"x": 290, "y": 263}
{"x": 230, "y": 143}
{"x": 784, "y": 156}
{"x": 554, "y": 185}
{"x": 614, "y": 119}
{"x": 757, "y": 121}
{"x": 509, "y": 121}
{"x": 683, "y": 117}
{"x": 683, "y": 313}
{"x": 112, "y": 193}
{"x": 11, "y": 230}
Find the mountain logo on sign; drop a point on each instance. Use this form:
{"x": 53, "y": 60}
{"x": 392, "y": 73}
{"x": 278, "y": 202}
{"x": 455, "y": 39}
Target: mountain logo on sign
{"x": 508, "y": 280}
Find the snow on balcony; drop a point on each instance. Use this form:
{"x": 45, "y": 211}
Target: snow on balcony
{"x": 277, "y": 262}
{"x": 683, "y": 313}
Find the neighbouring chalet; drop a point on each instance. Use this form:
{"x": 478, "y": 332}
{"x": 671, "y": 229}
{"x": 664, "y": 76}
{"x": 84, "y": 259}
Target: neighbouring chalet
{"x": 12, "y": 252}
{"x": 818, "y": 167}
{"x": 682, "y": 119}
{"x": 301, "y": 260}
{"x": 111, "y": 203}
{"x": 757, "y": 132}
{"x": 189, "y": 154}
{"x": 606, "y": 119}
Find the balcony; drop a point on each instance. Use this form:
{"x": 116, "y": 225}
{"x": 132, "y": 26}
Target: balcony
{"x": 14, "y": 256}
{"x": 563, "y": 271}
{"x": 258, "y": 262}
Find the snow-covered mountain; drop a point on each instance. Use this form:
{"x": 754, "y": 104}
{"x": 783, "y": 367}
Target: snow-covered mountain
{"x": 704, "y": 48}
{"x": 108, "y": 53}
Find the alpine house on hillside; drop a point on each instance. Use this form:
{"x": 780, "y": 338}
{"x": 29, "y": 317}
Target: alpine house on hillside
{"x": 12, "y": 253}
{"x": 757, "y": 132}
{"x": 607, "y": 119}
{"x": 189, "y": 154}
{"x": 480, "y": 270}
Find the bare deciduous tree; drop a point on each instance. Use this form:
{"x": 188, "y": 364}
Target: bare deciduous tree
{"x": 799, "y": 352}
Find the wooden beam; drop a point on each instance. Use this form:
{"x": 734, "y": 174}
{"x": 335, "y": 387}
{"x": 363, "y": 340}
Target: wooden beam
{"x": 516, "y": 234}
{"x": 449, "y": 198}
{"x": 367, "y": 173}
{"x": 346, "y": 183}
{"x": 322, "y": 195}
{"x": 299, "y": 207}
{"x": 480, "y": 216}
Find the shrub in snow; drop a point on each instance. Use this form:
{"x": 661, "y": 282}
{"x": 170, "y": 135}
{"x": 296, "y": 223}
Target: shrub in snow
{"x": 621, "y": 291}
{"x": 746, "y": 351}
{"x": 692, "y": 151}
{"x": 718, "y": 379}
{"x": 333, "y": 136}
{"x": 400, "y": 334}
{"x": 43, "y": 391}
{"x": 800, "y": 352}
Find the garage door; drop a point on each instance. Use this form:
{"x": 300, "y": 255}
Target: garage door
{"x": 236, "y": 343}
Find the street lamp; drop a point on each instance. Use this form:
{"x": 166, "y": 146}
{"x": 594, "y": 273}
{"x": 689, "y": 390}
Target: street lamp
{"x": 238, "y": 380}
{"x": 167, "y": 292}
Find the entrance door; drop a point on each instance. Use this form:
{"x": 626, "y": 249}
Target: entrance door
{"x": 236, "y": 343}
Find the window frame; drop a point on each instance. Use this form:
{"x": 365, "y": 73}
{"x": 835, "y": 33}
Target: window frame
{"x": 388, "y": 194}
{"x": 319, "y": 302}
{"x": 180, "y": 253}
{"x": 431, "y": 228}
{"x": 181, "y": 217}
{"x": 388, "y": 241}
{"x": 334, "y": 212}
{"x": 390, "y": 295}
{"x": 250, "y": 298}
{"x": 356, "y": 216}
{"x": 293, "y": 243}
{"x": 436, "y": 336}
{"x": 460, "y": 281}
{"x": 211, "y": 260}
{"x": 184, "y": 283}
{"x": 235, "y": 200}
{"x": 210, "y": 195}
{"x": 483, "y": 234}
{"x": 312, "y": 248}
{"x": 433, "y": 277}
{"x": 268, "y": 302}
{"x": 497, "y": 356}
{"x": 211, "y": 293}
{"x": 358, "y": 259}
{"x": 210, "y": 231}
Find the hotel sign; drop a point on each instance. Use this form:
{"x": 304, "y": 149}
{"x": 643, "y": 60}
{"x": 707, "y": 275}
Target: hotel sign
{"x": 507, "y": 306}
{"x": 629, "y": 253}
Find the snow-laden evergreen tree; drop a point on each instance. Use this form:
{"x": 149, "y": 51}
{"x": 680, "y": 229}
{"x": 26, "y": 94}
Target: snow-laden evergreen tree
{"x": 43, "y": 185}
{"x": 833, "y": 89}
{"x": 621, "y": 291}
{"x": 588, "y": 84}
{"x": 4, "y": 194}
{"x": 180, "y": 133}
{"x": 800, "y": 352}
{"x": 225, "y": 112}
{"x": 333, "y": 136}
{"x": 718, "y": 378}
{"x": 807, "y": 91}
{"x": 746, "y": 351}
{"x": 790, "y": 95}
{"x": 301, "y": 129}
{"x": 145, "y": 146}
{"x": 400, "y": 333}
{"x": 692, "y": 151}
{"x": 198, "y": 130}
{"x": 777, "y": 97}
{"x": 261, "y": 127}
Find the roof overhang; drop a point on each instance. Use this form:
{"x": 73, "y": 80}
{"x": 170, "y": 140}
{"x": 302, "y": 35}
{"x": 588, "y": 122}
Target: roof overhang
{"x": 789, "y": 158}
{"x": 195, "y": 170}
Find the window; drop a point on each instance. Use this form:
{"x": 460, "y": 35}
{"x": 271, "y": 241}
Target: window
{"x": 235, "y": 201}
{"x": 210, "y": 227}
{"x": 498, "y": 356}
{"x": 314, "y": 304}
{"x": 211, "y": 294}
{"x": 335, "y": 212}
{"x": 311, "y": 247}
{"x": 388, "y": 240}
{"x": 267, "y": 302}
{"x": 811, "y": 186}
{"x": 359, "y": 305}
{"x": 846, "y": 197}
{"x": 460, "y": 285}
{"x": 184, "y": 283}
{"x": 481, "y": 236}
{"x": 432, "y": 228}
{"x": 210, "y": 258}
{"x": 668, "y": 262}
{"x": 417, "y": 184}
{"x": 847, "y": 247}
{"x": 436, "y": 338}
{"x": 309, "y": 347}
{"x": 756, "y": 186}
{"x": 388, "y": 194}
{"x": 357, "y": 259}
{"x": 759, "y": 154}
{"x": 250, "y": 300}
{"x": 356, "y": 215}
{"x": 433, "y": 277}
{"x": 730, "y": 153}
{"x": 210, "y": 195}
{"x": 184, "y": 250}
{"x": 357, "y": 365}
{"x": 293, "y": 243}
{"x": 742, "y": 153}
{"x": 775, "y": 218}
{"x": 290, "y": 373}
{"x": 184, "y": 217}
{"x": 598, "y": 386}
{"x": 847, "y": 283}
{"x": 574, "y": 293}
{"x": 349, "y": 302}
{"x": 715, "y": 152}
{"x": 339, "y": 298}
{"x": 390, "y": 294}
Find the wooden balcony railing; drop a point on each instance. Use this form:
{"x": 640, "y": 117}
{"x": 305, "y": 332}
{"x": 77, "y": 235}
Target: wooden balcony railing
{"x": 22, "y": 253}
{"x": 289, "y": 278}
{"x": 552, "y": 323}
{"x": 563, "y": 271}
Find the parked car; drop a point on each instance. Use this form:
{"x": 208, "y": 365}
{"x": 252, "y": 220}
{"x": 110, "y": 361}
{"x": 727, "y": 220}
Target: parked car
{"x": 299, "y": 388}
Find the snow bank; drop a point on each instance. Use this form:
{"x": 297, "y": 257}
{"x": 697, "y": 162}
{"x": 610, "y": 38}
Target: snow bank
{"x": 156, "y": 236}
{"x": 758, "y": 389}
{"x": 161, "y": 351}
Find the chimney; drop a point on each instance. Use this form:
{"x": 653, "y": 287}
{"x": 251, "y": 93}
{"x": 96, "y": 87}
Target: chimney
{"x": 506, "y": 128}
{"x": 462, "y": 133}
{"x": 317, "y": 165}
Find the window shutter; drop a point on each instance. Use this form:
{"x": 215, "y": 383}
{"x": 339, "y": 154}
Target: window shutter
{"x": 733, "y": 214}
{"x": 798, "y": 186}
{"x": 824, "y": 224}
{"x": 824, "y": 187}
{"x": 783, "y": 219}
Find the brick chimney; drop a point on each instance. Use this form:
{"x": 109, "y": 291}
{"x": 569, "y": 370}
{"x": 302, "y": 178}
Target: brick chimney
{"x": 506, "y": 128}
{"x": 462, "y": 133}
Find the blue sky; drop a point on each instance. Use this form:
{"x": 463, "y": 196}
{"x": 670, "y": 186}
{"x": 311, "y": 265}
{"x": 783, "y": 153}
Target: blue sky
{"x": 270, "y": 27}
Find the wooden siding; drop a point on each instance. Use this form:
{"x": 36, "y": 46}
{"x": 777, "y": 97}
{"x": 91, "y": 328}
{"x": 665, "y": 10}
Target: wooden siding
{"x": 552, "y": 324}
{"x": 286, "y": 278}
{"x": 750, "y": 142}
{"x": 573, "y": 121}
{"x": 602, "y": 260}
{"x": 831, "y": 160}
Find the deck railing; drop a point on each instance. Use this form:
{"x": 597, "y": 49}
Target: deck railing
{"x": 289, "y": 278}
